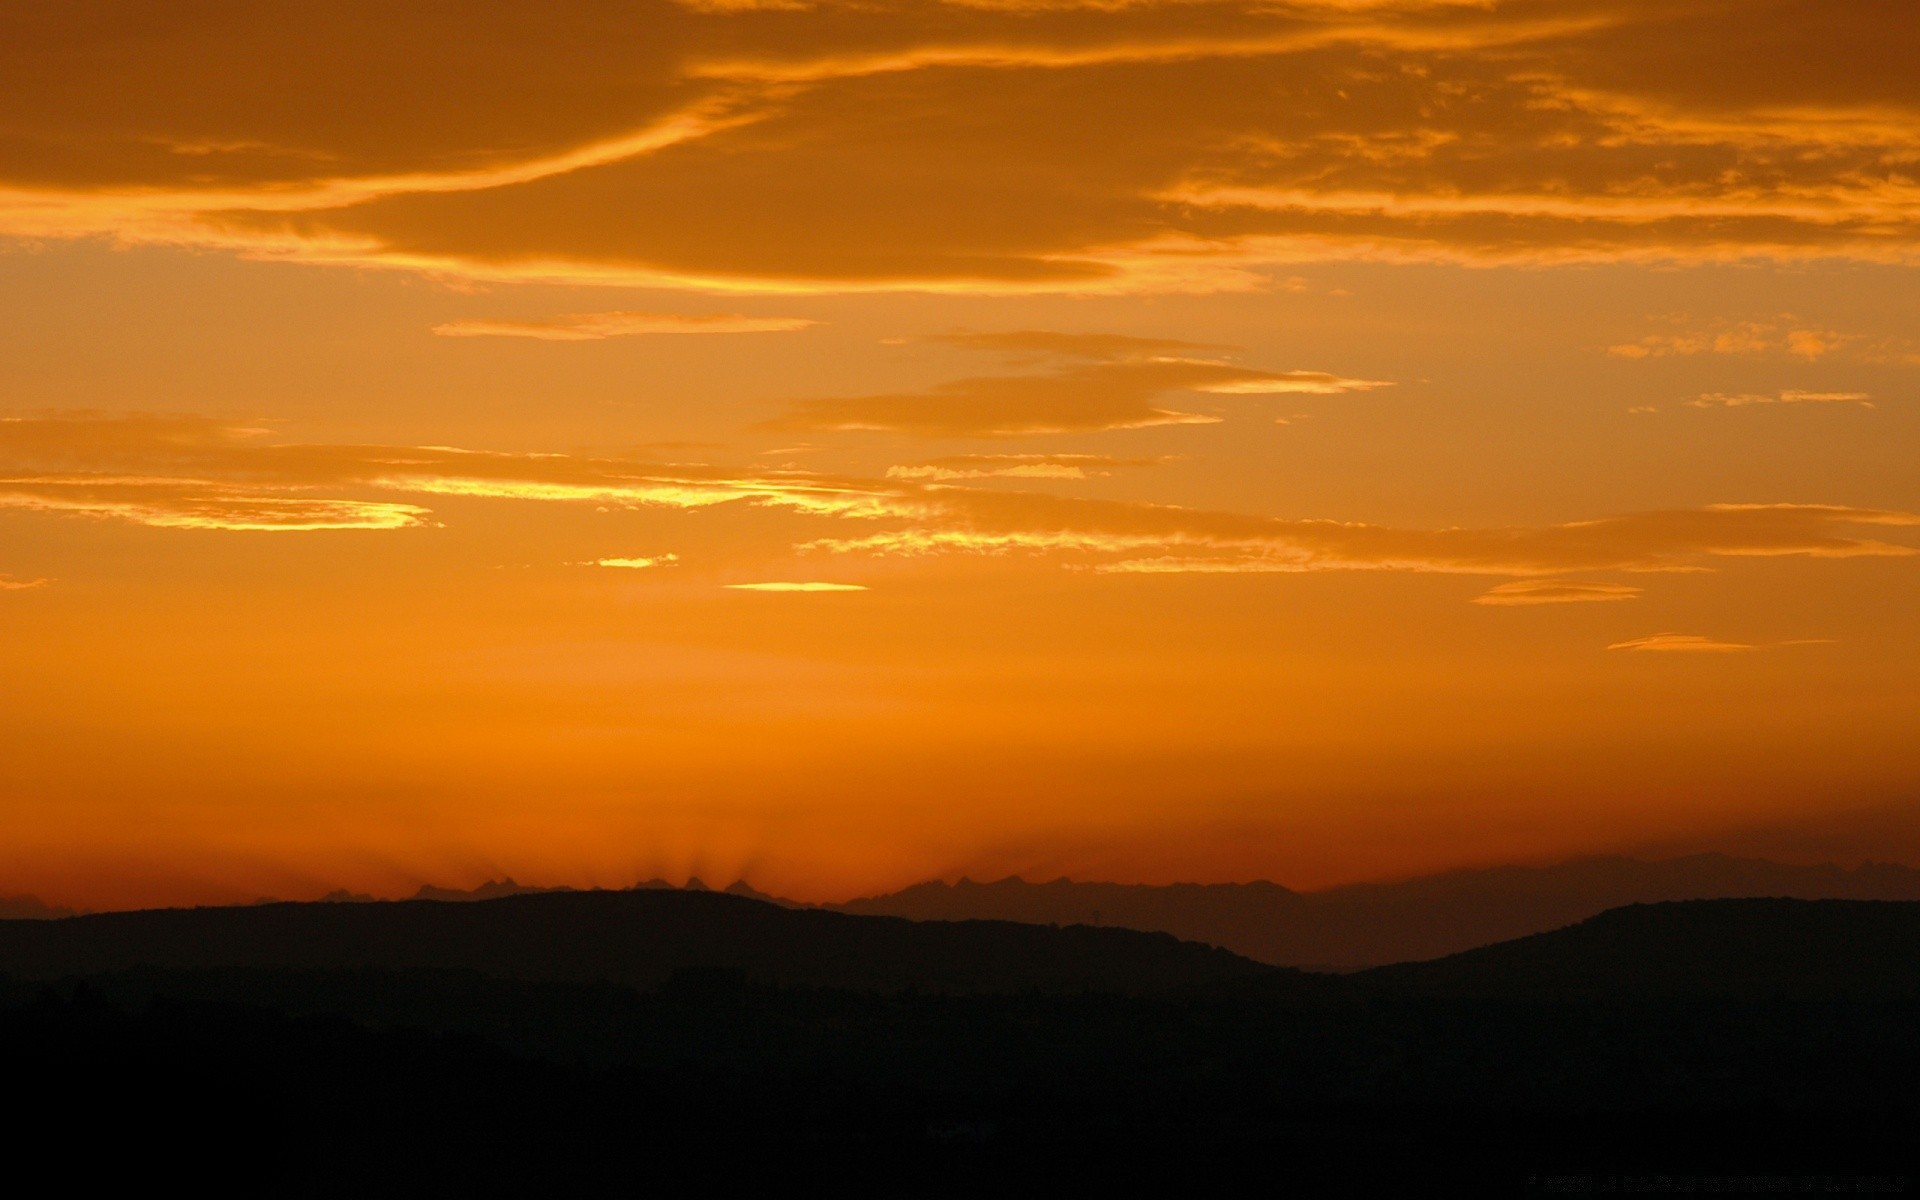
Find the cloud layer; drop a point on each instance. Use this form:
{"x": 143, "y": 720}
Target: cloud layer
{"x": 1555, "y": 591}
{"x": 588, "y": 327}
{"x": 1003, "y": 145}
{"x": 1122, "y": 387}
{"x": 1680, "y": 643}
{"x": 1786, "y": 396}
{"x": 197, "y": 473}
{"x": 1018, "y": 466}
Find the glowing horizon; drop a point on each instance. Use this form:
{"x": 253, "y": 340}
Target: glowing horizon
{"x": 842, "y": 445}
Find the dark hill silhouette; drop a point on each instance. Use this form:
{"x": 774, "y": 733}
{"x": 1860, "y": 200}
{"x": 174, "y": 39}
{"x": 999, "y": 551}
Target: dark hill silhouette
{"x": 636, "y": 938}
{"x": 1372, "y": 924}
{"x": 1748, "y": 950}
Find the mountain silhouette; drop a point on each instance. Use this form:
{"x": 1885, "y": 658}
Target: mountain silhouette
{"x": 493, "y": 889}
{"x": 1749, "y": 950}
{"x": 1372, "y": 924}
{"x": 30, "y": 908}
{"x": 638, "y": 938}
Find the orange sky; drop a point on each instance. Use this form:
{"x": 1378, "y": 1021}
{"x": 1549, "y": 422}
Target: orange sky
{"x": 1310, "y": 441}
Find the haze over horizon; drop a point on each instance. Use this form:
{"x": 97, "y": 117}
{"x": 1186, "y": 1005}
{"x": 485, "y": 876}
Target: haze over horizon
{"x": 843, "y": 444}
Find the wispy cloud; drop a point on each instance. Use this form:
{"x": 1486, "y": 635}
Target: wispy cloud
{"x": 198, "y": 473}
{"x": 1019, "y": 466}
{"x": 1310, "y": 383}
{"x": 202, "y": 504}
{"x": 589, "y": 327}
{"x": 1121, "y": 386}
{"x": 9, "y": 584}
{"x": 993, "y": 144}
{"x": 1680, "y": 643}
{"x": 1043, "y": 343}
{"x": 1688, "y": 643}
{"x": 1556, "y": 591}
{"x": 1115, "y": 537}
{"x": 1105, "y": 396}
{"x": 1788, "y": 396}
{"x": 796, "y": 587}
{"x": 638, "y": 564}
{"x": 1779, "y": 335}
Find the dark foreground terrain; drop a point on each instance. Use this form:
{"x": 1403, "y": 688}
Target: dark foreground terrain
{"x": 632, "y": 1043}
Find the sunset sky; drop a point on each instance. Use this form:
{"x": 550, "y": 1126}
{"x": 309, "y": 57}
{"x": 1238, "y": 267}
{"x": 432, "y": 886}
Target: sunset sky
{"x": 849, "y": 442}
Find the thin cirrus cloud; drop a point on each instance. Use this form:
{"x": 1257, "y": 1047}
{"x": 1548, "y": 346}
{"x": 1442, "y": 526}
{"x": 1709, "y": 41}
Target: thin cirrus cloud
{"x": 1742, "y": 337}
{"x": 9, "y": 584}
{"x": 1047, "y": 343}
{"x": 1555, "y": 591}
{"x": 1693, "y": 643}
{"x": 591, "y": 327}
{"x": 203, "y": 474}
{"x": 1125, "y": 385}
{"x": 783, "y": 586}
{"x": 1020, "y": 466}
{"x": 638, "y": 564}
{"x": 1788, "y": 396}
{"x": 1016, "y": 145}
{"x": 1680, "y": 643}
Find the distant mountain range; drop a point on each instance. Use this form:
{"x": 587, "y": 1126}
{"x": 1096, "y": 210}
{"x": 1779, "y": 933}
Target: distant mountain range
{"x": 30, "y": 908}
{"x": 1371, "y": 924}
{"x": 1340, "y": 929}
{"x": 647, "y": 938}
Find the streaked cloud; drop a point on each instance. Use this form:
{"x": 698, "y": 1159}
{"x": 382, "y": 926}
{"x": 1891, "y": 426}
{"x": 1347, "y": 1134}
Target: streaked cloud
{"x": 9, "y": 584}
{"x": 1742, "y": 337}
{"x": 201, "y": 504}
{"x": 1019, "y": 466}
{"x": 192, "y": 472}
{"x": 1556, "y": 591}
{"x": 996, "y": 145}
{"x": 1086, "y": 399}
{"x": 796, "y": 587}
{"x": 1044, "y": 343}
{"x": 1311, "y": 383}
{"x": 1123, "y": 387}
{"x": 588, "y": 327}
{"x": 1116, "y": 537}
{"x": 195, "y": 472}
{"x": 1680, "y": 643}
{"x": 1788, "y": 396}
{"x": 638, "y": 564}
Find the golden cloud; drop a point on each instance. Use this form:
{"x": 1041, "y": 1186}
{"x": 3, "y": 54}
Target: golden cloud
{"x": 587, "y": 327}
{"x": 197, "y": 473}
{"x": 1680, "y": 643}
{"x": 1744, "y": 337}
{"x": 9, "y": 584}
{"x": 1120, "y": 388}
{"x": 1019, "y": 466}
{"x": 1045, "y": 343}
{"x": 201, "y": 504}
{"x": 1085, "y": 399}
{"x": 796, "y": 587}
{"x": 638, "y": 564}
{"x": 1000, "y": 144}
{"x": 1556, "y": 591}
{"x": 1788, "y": 396}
